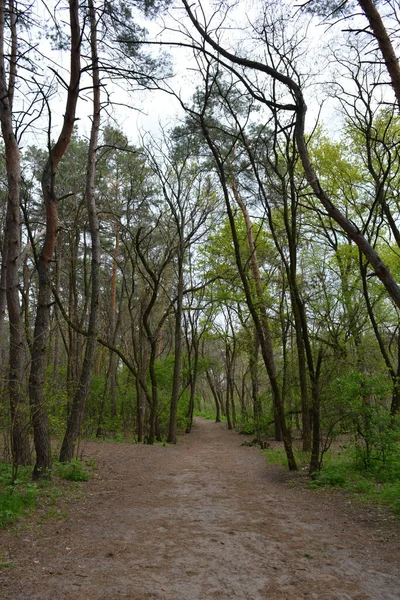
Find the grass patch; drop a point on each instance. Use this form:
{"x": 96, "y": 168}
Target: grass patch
{"x": 205, "y": 415}
{"x": 342, "y": 469}
{"x": 211, "y": 416}
{"x": 380, "y": 484}
{"x": 17, "y": 496}
{"x": 55, "y": 514}
{"x": 276, "y": 456}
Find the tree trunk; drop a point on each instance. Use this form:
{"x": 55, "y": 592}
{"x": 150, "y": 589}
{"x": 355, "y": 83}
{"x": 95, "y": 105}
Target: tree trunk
{"x": 42, "y": 322}
{"x": 215, "y": 396}
{"x": 76, "y": 416}
{"x": 74, "y": 338}
{"x": 228, "y": 374}
{"x": 385, "y": 45}
{"x": 193, "y": 381}
{"x": 177, "y": 351}
{"x": 56, "y": 354}
{"x": 315, "y": 462}
{"x": 264, "y": 333}
{"x": 253, "y": 364}
{"x": 259, "y": 316}
{"x": 300, "y": 108}
{"x": 113, "y": 325}
{"x": 393, "y": 372}
{"x": 3, "y": 284}
{"x": 143, "y": 358}
{"x": 11, "y": 250}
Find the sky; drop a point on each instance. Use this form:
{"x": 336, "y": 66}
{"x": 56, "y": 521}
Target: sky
{"x": 151, "y": 111}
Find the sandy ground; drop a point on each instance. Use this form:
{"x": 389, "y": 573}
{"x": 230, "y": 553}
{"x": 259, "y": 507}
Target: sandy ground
{"x": 205, "y": 519}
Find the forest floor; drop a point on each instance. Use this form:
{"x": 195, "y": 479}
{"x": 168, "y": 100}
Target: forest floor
{"x": 207, "y": 518}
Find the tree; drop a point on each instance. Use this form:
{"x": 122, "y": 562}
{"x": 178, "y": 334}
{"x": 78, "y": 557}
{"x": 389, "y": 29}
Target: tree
{"x": 12, "y": 239}
{"x": 76, "y": 415}
{"x": 42, "y": 321}
{"x": 298, "y": 108}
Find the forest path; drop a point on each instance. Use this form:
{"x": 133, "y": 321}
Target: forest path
{"x": 205, "y": 519}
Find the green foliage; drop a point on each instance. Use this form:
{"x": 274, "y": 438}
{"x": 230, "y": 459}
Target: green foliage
{"x": 376, "y": 437}
{"x": 204, "y": 414}
{"x": 16, "y": 495}
{"x": 276, "y": 456}
{"x": 379, "y": 484}
{"x": 56, "y": 399}
{"x": 361, "y": 405}
{"x": 245, "y": 424}
{"x": 98, "y": 407}
{"x": 72, "y": 471}
{"x": 332, "y": 476}
{"x": 164, "y": 372}
{"x": 366, "y": 485}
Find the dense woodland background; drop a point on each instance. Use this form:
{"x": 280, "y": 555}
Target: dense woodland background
{"x": 243, "y": 262}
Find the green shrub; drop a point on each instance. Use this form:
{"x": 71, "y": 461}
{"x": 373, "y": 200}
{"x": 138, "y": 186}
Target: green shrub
{"x": 333, "y": 476}
{"x": 245, "y": 425}
{"x": 72, "y": 471}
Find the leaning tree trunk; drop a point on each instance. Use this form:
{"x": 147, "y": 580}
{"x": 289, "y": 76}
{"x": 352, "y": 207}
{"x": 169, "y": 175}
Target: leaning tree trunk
{"x": 75, "y": 418}
{"x": 390, "y": 367}
{"x": 300, "y": 108}
{"x": 385, "y": 45}
{"x": 261, "y": 323}
{"x": 259, "y": 317}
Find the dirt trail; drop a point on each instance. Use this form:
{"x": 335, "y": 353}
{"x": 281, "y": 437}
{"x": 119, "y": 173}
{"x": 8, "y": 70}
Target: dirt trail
{"x": 205, "y": 519}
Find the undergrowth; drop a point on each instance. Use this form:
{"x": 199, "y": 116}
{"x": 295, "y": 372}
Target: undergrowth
{"x": 17, "y": 495}
{"x": 207, "y": 415}
{"x": 378, "y": 484}
{"x": 20, "y": 496}
{"x": 71, "y": 471}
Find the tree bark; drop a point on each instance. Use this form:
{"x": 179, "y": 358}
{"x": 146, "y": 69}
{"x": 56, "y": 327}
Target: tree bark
{"x": 260, "y": 323}
{"x": 215, "y": 396}
{"x": 193, "y": 381}
{"x": 76, "y": 416}
{"x": 42, "y": 322}
{"x": 280, "y": 425}
{"x": 172, "y": 438}
{"x": 11, "y": 251}
{"x": 253, "y": 365}
{"x": 385, "y": 45}
{"x": 113, "y": 325}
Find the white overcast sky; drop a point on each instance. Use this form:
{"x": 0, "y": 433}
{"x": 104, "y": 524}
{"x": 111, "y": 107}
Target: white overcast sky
{"x": 150, "y": 110}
